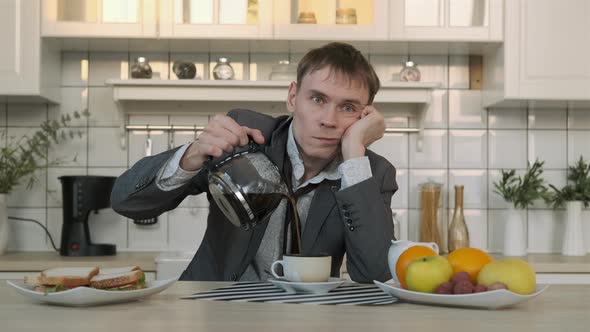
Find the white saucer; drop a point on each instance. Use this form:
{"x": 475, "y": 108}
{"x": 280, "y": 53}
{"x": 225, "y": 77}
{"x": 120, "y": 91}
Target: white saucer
{"x": 307, "y": 287}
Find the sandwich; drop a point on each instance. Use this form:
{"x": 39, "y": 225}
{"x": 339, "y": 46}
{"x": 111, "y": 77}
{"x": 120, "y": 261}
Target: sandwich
{"x": 119, "y": 281}
{"x": 62, "y": 278}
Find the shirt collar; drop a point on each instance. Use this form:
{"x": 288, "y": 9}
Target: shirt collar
{"x": 330, "y": 172}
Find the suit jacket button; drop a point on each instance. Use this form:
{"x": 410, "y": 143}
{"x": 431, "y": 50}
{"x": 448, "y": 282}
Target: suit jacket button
{"x": 351, "y": 228}
{"x": 346, "y": 214}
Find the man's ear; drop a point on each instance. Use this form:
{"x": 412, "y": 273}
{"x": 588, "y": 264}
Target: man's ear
{"x": 291, "y": 97}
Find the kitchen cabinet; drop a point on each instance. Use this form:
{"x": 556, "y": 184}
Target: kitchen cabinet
{"x": 99, "y": 18}
{"x": 216, "y": 19}
{"x": 334, "y": 19}
{"x": 30, "y": 68}
{"x": 544, "y": 56}
{"x": 446, "y": 20}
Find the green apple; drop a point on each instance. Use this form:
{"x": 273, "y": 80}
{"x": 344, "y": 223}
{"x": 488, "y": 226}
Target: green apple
{"x": 515, "y": 273}
{"x": 424, "y": 274}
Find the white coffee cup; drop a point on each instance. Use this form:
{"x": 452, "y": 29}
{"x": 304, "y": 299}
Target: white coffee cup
{"x": 304, "y": 268}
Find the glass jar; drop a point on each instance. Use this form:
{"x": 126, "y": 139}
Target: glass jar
{"x": 346, "y": 16}
{"x": 141, "y": 68}
{"x": 410, "y": 72}
{"x": 430, "y": 194}
{"x": 283, "y": 71}
{"x": 307, "y": 18}
{"x": 223, "y": 70}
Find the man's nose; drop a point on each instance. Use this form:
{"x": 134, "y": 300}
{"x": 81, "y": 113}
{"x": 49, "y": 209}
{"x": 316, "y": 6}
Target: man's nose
{"x": 330, "y": 116}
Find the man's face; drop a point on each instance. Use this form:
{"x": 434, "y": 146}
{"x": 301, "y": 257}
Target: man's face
{"x": 323, "y": 107}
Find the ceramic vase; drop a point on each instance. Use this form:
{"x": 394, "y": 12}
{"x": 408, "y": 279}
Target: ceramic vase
{"x": 514, "y": 233}
{"x": 3, "y": 224}
{"x": 573, "y": 234}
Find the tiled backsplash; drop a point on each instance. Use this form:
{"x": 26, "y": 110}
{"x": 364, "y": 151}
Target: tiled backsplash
{"x": 463, "y": 144}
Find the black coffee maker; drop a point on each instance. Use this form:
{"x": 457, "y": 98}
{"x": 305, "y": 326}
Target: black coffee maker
{"x": 82, "y": 194}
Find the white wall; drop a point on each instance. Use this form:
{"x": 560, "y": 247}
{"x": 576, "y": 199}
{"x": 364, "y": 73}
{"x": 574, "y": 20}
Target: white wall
{"x": 464, "y": 144}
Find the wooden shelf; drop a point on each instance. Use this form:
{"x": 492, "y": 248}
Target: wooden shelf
{"x": 416, "y": 94}
{"x": 264, "y": 91}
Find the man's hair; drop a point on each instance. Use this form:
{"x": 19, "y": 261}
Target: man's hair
{"x": 342, "y": 59}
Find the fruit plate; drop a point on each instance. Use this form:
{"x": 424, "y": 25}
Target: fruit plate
{"x": 86, "y": 296}
{"x": 495, "y": 299}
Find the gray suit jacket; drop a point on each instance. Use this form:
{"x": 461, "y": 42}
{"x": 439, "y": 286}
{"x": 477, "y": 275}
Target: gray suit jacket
{"x": 356, "y": 221}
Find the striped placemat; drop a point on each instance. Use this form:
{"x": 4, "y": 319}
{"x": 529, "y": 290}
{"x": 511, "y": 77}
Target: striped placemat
{"x": 345, "y": 294}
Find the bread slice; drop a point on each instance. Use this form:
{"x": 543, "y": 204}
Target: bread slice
{"x": 117, "y": 270}
{"x": 68, "y": 276}
{"x": 106, "y": 281}
{"x": 33, "y": 280}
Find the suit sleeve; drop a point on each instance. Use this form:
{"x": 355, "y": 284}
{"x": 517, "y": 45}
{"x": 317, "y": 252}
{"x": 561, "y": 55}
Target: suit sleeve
{"x": 365, "y": 209}
{"x": 136, "y": 194}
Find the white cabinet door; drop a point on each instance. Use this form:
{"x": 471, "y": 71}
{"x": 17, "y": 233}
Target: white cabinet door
{"x": 446, "y": 20}
{"x": 19, "y": 55}
{"x": 99, "y": 18}
{"x": 216, "y": 19}
{"x": 331, "y": 19}
{"x": 547, "y": 49}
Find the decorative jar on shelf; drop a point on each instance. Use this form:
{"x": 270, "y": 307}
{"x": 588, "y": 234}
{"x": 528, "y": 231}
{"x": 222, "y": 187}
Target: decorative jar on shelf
{"x": 283, "y": 71}
{"x": 141, "y": 68}
{"x": 346, "y": 16}
{"x": 223, "y": 70}
{"x": 410, "y": 72}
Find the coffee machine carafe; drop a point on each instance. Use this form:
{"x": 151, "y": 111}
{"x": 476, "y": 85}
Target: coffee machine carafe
{"x": 81, "y": 195}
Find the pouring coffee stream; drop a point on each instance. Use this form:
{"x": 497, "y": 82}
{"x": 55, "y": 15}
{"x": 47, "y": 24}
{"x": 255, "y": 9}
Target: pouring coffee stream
{"x": 247, "y": 186}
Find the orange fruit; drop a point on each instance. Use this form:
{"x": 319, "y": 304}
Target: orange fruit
{"x": 407, "y": 257}
{"x": 470, "y": 260}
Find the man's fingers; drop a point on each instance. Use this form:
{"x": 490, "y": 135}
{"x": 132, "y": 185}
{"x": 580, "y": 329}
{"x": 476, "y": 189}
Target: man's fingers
{"x": 210, "y": 150}
{"x": 255, "y": 134}
{"x": 219, "y": 142}
{"x": 231, "y": 125}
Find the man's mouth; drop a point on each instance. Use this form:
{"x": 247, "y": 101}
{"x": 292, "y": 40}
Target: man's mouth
{"x": 328, "y": 140}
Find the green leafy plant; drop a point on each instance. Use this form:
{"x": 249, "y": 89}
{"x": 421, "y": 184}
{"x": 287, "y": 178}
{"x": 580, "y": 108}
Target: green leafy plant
{"x": 522, "y": 191}
{"x": 20, "y": 158}
{"x": 577, "y": 188}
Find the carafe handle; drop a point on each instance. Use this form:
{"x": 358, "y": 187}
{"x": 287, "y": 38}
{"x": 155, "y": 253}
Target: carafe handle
{"x": 211, "y": 164}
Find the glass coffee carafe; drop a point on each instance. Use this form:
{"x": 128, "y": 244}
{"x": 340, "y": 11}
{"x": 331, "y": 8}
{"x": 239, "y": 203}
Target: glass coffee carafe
{"x": 246, "y": 185}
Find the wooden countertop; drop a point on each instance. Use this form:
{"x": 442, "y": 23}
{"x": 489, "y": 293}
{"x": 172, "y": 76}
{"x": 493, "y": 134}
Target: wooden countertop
{"x": 38, "y": 261}
{"x": 42, "y": 260}
{"x": 559, "y": 308}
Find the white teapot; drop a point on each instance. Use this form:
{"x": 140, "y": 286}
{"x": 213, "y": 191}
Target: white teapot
{"x": 398, "y": 247}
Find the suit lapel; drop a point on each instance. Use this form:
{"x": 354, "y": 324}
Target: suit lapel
{"x": 322, "y": 203}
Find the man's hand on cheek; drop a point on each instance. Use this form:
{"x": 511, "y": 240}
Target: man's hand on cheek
{"x": 369, "y": 128}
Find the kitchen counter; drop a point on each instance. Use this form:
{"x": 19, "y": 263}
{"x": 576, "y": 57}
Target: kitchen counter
{"x": 38, "y": 261}
{"x": 559, "y": 308}
{"x": 42, "y": 260}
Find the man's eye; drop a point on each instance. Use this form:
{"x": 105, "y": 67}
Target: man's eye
{"x": 348, "y": 108}
{"x": 317, "y": 100}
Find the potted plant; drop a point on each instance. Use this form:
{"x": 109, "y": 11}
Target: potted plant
{"x": 20, "y": 158}
{"x": 521, "y": 192}
{"x": 575, "y": 193}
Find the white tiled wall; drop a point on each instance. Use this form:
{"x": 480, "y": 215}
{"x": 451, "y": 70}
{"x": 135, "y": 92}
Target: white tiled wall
{"x": 463, "y": 144}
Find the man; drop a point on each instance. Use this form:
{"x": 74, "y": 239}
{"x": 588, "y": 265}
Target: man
{"x": 325, "y": 141}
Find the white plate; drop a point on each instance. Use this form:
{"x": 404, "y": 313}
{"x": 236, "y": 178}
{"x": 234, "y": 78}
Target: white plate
{"x": 307, "y": 287}
{"x": 495, "y": 299}
{"x": 86, "y": 296}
